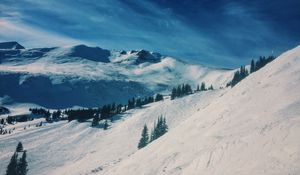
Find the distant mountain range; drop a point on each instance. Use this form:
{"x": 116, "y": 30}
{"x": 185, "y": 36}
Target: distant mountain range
{"x": 61, "y": 77}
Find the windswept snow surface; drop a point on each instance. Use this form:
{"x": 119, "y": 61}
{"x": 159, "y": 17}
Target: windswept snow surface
{"x": 254, "y": 128}
{"x": 85, "y": 76}
{"x": 76, "y": 148}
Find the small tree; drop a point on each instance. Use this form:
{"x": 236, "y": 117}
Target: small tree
{"x": 198, "y": 88}
{"x": 159, "y": 97}
{"x": 174, "y": 93}
{"x": 95, "y": 121}
{"x": 138, "y": 103}
{"x": 19, "y": 147}
{"x": 203, "y": 88}
{"x": 252, "y": 67}
{"x": 22, "y": 165}
{"x": 145, "y": 138}
{"x": 105, "y": 125}
{"x": 12, "y": 166}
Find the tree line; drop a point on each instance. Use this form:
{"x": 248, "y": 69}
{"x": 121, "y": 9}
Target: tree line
{"x": 97, "y": 114}
{"x": 242, "y": 73}
{"x": 185, "y": 89}
{"x": 108, "y": 111}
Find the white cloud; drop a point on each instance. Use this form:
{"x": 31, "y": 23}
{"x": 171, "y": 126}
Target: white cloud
{"x": 32, "y": 37}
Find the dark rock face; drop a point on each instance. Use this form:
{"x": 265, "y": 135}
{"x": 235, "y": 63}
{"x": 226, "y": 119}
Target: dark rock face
{"x": 91, "y": 53}
{"x": 146, "y": 56}
{"x": 123, "y": 52}
{"x": 11, "y": 45}
{"x": 3, "y": 110}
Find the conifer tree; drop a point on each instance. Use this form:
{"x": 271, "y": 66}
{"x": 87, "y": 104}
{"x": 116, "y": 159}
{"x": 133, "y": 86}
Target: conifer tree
{"x": 22, "y": 165}
{"x": 152, "y": 137}
{"x": 144, "y": 139}
{"x": 159, "y": 97}
{"x": 198, "y": 88}
{"x": 252, "y": 67}
{"x": 19, "y": 147}
{"x": 96, "y": 120}
{"x": 203, "y": 88}
{"x": 12, "y": 168}
{"x": 178, "y": 91}
{"x": 105, "y": 125}
{"x": 174, "y": 93}
{"x": 138, "y": 103}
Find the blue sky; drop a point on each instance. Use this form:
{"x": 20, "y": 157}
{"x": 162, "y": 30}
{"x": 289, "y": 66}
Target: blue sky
{"x": 219, "y": 33}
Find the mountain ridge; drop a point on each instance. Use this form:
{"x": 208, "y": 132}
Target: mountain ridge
{"x": 136, "y": 73}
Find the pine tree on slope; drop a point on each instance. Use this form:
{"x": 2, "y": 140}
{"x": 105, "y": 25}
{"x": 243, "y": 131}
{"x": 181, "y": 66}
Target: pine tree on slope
{"x": 22, "y": 165}
{"x": 19, "y": 147}
{"x": 12, "y": 166}
{"x": 252, "y": 67}
{"x": 145, "y": 138}
{"x": 105, "y": 125}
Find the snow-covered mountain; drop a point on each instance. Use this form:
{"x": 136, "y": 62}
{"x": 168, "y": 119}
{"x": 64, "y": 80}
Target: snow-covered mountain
{"x": 252, "y": 128}
{"x": 79, "y": 75}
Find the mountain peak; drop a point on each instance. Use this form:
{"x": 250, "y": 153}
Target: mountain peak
{"x": 146, "y": 56}
{"x": 11, "y": 45}
{"x": 91, "y": 53}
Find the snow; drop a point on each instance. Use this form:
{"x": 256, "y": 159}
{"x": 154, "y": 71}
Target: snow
{"x": 252, "y": 128}
{"x": 76, "y": 148}
{"x": 128, "y": 75}
{"x": 57, "y": 62}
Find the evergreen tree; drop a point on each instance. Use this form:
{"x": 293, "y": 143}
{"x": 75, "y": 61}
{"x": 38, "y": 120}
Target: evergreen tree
{"x": 138, "y": 103}
{"x": 22, "y": 165}
{"x": 211, "y": 87}
{"x": 12, "y": 168}
{"x": 96, "y": 120}
{"x": 178, "y": 91}
{"x": 252, "y": 67}
{"x": 198, "y": 88}
{"x": 105, "y": 127}
{"x": 152, "y": 136}
{"x": 56, "y": 115}
{"x": 174, "y": 93}
{"x": 19, "y": 147}
{"x": 187, "y": 89}
{"x": 203, "y": 88}
{"x": 159, "y": 97}
{"x": 160, "y": 128}
{"x": 153, "y": 132}
{"x": 164, "y": 126}
{"x": 145, "y": 138}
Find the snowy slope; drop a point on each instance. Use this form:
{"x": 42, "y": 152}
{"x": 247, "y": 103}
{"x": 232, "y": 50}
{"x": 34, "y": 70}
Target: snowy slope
{"x": 76, "y": 148}
{"x": 91, "y": 76}
{"x": 254, "y": 128}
